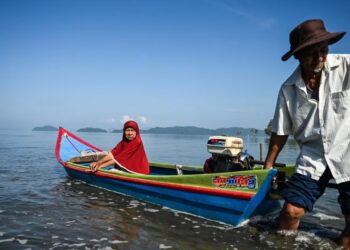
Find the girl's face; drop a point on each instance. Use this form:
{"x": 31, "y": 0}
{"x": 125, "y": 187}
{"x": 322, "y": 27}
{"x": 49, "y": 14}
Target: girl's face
{"x": 130, "y": 134}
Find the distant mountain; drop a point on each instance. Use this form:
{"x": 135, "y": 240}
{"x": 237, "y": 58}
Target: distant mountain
{"x": 192, "y": 130}
{"x": 118, "y": 131}
{"x": 189, "y": 130}
{"x": 45, "y": 128}
{"x": 93, "y": 130}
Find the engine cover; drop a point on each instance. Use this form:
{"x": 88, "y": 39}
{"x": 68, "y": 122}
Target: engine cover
{"x": 225, "y": 145}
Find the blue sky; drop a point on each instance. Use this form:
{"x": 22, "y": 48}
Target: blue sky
{"x": 205, "y": 63}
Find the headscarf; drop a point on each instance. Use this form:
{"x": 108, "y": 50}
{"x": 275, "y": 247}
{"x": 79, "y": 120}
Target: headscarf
{"x": 131, "y": 155}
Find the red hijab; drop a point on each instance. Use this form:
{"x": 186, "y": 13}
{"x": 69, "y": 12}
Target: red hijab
{"x": 131, "y": 155}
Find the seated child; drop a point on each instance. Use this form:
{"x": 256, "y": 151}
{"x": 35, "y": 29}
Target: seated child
{"x": 129, "y": 154}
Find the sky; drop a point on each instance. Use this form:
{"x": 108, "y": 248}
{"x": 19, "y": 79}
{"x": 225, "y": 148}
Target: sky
{"x": 98, "y": 63}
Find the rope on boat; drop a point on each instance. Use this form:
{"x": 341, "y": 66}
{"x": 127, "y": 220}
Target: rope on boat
{"x": 71, "y": 143}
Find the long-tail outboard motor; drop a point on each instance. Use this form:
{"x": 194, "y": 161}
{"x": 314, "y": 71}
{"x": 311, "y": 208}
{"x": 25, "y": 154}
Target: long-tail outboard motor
{"x": 227, "y": 155}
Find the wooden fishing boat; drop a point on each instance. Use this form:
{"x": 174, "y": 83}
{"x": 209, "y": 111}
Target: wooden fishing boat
{"x": 230, "y": 197}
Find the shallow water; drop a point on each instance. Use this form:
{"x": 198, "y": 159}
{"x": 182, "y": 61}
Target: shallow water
{"x": 42, "y": 208}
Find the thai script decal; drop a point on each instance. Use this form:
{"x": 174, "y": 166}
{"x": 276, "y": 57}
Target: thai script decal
{"x": 236, "y": 181}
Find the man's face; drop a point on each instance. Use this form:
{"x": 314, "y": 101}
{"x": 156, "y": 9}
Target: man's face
{"x": 312, "y": 58}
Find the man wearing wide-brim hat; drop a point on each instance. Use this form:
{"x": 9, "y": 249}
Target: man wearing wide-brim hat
{"x": 314, "y": 106}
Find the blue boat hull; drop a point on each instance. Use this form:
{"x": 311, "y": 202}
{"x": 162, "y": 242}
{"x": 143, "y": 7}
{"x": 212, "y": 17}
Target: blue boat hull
{"x": 219, "y": 208}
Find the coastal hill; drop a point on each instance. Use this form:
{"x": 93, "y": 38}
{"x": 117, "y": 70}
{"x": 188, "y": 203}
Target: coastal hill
{"x": 94, "y": 130}
{"x": 45, "y": 128}
{"x": 176, "y": 130}
{"x": 192, "y": 130}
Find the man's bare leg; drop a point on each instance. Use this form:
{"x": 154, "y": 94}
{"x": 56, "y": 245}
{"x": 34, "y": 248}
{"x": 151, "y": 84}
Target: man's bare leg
{"x": 290, "y": 216}
{"x": 344, "y": 240}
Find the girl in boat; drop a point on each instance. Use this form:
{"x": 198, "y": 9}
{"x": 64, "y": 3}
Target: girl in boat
{"x": 128, "y": 155}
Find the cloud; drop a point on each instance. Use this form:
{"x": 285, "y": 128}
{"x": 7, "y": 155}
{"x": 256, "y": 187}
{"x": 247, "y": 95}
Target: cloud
{"x": 142, "y": 119}
{"x": 125, "y": 119}
{"x": 266, "y": 24}
{"x": 240, "y": 10}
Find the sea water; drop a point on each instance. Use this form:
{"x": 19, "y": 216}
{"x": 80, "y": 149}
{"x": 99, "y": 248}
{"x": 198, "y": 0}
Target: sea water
{"x": 42, "y": 208}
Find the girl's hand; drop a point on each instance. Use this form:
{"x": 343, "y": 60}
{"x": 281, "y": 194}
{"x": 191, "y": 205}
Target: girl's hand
{"x": 94, "y": 167}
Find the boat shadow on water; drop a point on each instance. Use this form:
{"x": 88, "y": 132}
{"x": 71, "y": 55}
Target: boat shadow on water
{"x": 116, "y": 219}
{"x": 133, "y": 224}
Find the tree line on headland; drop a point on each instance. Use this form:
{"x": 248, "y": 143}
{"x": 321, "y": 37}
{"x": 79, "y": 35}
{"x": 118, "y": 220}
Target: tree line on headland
{"x": 184, "y": 130}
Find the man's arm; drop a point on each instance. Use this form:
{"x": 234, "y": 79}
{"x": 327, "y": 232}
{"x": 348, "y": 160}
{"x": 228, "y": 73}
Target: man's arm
{"x": 276, "y": 144}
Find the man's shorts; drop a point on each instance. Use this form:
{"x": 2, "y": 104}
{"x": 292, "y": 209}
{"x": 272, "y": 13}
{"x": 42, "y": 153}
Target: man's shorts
{"x": 303, "y": 191}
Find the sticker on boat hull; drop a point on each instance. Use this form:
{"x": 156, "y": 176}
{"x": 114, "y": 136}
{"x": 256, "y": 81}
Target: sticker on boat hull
{"x": 236, "y": 181}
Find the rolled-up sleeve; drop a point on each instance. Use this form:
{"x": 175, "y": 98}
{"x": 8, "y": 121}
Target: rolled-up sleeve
{"x": 282, "y": 124}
